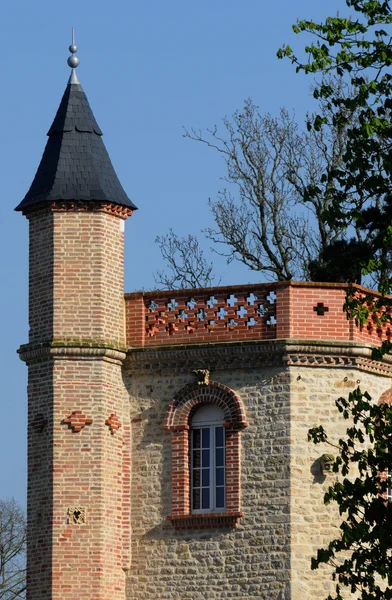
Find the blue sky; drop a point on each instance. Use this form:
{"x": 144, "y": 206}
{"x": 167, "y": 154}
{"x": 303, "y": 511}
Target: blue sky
{"x": 148, "y": 68}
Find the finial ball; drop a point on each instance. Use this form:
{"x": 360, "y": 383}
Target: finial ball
{"x": 73, "y": 48}
{"x": 73, "y": 61}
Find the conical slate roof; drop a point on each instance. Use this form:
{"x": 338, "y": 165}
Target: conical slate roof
{"x": 75, "y": 164}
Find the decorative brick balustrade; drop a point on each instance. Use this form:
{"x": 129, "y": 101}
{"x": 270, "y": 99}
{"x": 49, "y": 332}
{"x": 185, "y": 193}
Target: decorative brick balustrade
{"x": 284, "y": 310}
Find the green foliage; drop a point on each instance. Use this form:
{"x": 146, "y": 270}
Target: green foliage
{"x": 358, "y": 49}
{"x": 364, "y": 457}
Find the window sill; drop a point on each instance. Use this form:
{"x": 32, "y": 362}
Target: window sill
{"x": 206, "y": 521}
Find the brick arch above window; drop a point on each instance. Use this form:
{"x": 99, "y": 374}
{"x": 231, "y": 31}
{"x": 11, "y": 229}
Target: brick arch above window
{"x": 193, "y": 395}
{"x": 386, "y": 397}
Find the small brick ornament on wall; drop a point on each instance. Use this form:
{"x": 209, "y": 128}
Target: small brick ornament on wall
{"x": 113, "y": 423}
{"x": 77, "y": 421}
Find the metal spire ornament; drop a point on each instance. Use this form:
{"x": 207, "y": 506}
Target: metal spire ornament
{"x": 73, "y": 60}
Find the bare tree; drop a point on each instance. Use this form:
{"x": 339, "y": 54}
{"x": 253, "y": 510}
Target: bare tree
{"x": 185, "y": 261}
{"x": 12, "y": 551}
{"x": 265, "y": 216}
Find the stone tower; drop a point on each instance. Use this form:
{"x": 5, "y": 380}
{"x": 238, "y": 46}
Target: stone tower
{"x": 77, "y": 451}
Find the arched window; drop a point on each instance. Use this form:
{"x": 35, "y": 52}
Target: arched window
{"x": 205, "y": 421}
{"x": 207, "y": 460}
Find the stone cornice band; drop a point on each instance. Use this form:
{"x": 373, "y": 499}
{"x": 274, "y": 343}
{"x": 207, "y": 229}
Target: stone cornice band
{"x": 219, "y": 356}
{"x": 41, "y": 352}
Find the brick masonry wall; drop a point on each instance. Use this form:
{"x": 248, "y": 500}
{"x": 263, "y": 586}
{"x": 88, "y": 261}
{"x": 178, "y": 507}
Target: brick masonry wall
{"x": 40, "y": 481}
{"x": 89, "y": 266}
{"x": 244, "y": 313}
{"x": 79, "y": 427}
{"x": 88, "y": 558}
{"x": 41, "y": 277}
{"x": 251, "y": 561}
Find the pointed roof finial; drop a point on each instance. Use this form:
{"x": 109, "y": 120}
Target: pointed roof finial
{"x": 73, "y": 60}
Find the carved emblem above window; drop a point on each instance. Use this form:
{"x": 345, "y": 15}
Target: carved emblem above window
{"x": 203, "y": 376}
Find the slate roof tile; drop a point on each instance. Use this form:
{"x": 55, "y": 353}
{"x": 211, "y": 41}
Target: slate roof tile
{"x": 75, "y": 164}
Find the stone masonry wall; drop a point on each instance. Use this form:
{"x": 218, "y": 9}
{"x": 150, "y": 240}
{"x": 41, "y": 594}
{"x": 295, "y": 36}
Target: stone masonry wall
{"x": 313, "y": 525}
{"x": 249, "y": 562}
{"x": 284, "y": 522}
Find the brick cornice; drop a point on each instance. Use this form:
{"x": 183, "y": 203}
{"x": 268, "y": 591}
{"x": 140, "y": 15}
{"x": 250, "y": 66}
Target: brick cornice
{"x": 32, "y": 353}
{"x": 123, "y": 212}
{"x": 267, "y": 353}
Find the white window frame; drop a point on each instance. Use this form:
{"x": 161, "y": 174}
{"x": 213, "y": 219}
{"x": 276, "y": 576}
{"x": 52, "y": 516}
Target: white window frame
{"x": 211, "y": 424}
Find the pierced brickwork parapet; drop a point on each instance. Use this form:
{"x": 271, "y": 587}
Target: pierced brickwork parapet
{"x": 207, "y": 314}
{"x": 193, "y": 395}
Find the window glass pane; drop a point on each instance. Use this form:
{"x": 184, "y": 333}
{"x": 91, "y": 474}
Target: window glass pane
{"x": 196, "y": 499}
{"x": 196, "y": 458}
{"x": 196, "y": 478}
{"x": 206, "y": 438}
{"x": 219, "y": 457}
{"x": 220, "y": 497}
{"x": 196, "y": 438}
{"x": 205, "y": 498}
{"x": 219, "y": 436}
{"x": 205, "y": 477}
{"x": 220, "y": 476}
{"x": 206, "y": 458}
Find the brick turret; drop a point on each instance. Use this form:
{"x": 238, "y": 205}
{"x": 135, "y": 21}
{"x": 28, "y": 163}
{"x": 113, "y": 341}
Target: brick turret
{"x": 78, "y": 446}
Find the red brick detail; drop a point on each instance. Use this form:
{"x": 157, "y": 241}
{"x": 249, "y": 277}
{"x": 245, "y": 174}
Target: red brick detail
{"x": 77, "y": 421}
{"x": 39, "y": 423}
{"x": 113, "y": 423}
{"x": 206, "y": 521}
{"x": 386, "y": 397}
{"x": 78, "y": 206}
{"x": 177, "y": 420}
{"x": 195, "y": 318}
{"x": 177, "y": 416}
{"x": 295, "y": 314}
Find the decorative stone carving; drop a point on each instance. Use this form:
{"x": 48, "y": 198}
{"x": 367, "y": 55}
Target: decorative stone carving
{"x": 326, "y": 463}
{"x": 113, "y": 423}
{"x": 76, "y": 515}
{"x": 203, "y": 376}
{"x": 77, "y": 421}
